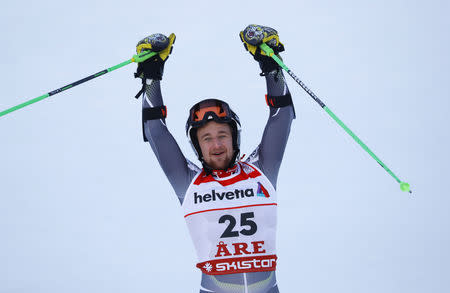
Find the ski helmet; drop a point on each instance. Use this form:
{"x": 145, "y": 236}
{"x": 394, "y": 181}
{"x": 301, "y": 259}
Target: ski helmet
{"x": 212, "y": 110}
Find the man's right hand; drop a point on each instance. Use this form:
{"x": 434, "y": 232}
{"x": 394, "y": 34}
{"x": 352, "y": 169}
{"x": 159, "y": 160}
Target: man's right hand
{"x": 153, "y": 68}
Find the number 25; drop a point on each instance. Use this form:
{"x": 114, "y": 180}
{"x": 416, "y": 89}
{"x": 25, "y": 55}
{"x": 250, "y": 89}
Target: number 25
{"x": 245, "y": 221}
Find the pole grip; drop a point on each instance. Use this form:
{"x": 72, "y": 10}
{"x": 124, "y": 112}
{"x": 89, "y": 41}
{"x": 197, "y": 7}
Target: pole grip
{"x": 141, "y": 57}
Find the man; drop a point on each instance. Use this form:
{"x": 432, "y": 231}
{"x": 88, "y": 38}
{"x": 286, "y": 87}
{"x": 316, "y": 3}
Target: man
{"x": 229, "y": 205}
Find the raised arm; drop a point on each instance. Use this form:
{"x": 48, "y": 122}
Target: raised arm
{"x": 177, "y": 169}
{"x": 276, "y": 133}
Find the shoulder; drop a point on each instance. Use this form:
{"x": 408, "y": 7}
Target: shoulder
{"x": 254, "y": 158}
{"x": 193, "y": 167}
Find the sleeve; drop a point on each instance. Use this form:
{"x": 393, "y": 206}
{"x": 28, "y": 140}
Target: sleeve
{"x": 276, "y": 133}
{"x": 177, "y": 168}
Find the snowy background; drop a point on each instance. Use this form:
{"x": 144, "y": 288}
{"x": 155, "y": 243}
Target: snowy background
{"x": 84, "y": 206}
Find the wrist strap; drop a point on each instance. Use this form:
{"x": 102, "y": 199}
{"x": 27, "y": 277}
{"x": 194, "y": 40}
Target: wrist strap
{"x": 279, "y": 101}
{"x": 154, "y": 113}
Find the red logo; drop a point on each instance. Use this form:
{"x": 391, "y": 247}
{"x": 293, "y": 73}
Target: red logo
{"x": 265, "y": 263}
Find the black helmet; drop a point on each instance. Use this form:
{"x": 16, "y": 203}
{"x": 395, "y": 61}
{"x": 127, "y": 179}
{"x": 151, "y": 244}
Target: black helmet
{"x": 212, "y": 110}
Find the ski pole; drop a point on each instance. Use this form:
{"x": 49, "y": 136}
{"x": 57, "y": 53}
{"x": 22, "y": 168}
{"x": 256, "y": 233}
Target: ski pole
{"x": 136, "y": 58}
{"x": 403, "y": 185}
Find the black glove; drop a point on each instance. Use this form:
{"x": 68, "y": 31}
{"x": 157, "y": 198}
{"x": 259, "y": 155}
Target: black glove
{"x": 153, "y": 68}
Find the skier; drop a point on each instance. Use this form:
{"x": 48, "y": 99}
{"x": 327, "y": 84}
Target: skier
{"x": 229, "y": 205}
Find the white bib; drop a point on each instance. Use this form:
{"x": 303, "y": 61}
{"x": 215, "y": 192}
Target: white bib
{"x": 232, "y": 221}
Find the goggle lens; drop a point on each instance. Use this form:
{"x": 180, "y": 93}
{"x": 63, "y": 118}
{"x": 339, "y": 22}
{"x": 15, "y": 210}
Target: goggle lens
{"x": 199, "y": 112}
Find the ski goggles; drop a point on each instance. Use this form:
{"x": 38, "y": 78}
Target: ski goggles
{"x": 208, "y": 110}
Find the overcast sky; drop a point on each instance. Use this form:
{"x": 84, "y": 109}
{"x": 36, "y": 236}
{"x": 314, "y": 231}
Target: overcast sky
{"x": 84, "y": 206}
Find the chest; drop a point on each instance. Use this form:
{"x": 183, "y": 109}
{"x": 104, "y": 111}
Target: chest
{"x": 244, "y": 189}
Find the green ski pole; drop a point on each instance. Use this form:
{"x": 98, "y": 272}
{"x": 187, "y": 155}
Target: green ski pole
{"x": 136, "y": 58}
{"x": 403, "y": 185}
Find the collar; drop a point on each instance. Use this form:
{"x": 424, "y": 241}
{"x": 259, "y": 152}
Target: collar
{"x": 226, "y": 173}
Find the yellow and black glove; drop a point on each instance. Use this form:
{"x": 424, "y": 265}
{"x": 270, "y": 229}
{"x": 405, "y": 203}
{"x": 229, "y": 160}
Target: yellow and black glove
{"x": 153, "y": 68}
{"x": 253, "y": 36}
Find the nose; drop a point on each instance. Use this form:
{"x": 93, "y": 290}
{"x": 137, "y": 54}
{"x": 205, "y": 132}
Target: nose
{"x": 217, "y": 143}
